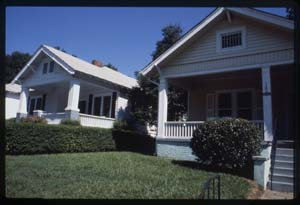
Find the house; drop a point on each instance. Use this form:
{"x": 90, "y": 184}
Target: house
{"x": 237, "y": 62}
{"x": 66, "y": 87}
{"x": 12, "y": 97}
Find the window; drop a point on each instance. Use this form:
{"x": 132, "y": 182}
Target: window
{"x": 231, "y": 40}
{"x": 97, "y": 105}
{"x": 244, "y": 105}
{"x": 35, "y": 103}
{"x": 224, "y": 105}
{"x": 45, "y": 67}
{"x": 82, "y": 106}
{"x": 106, "y": 106}
{"x": 51, "y": 69}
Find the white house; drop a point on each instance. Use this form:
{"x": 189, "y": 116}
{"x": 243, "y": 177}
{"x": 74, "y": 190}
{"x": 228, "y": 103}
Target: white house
{"x": 66, "y": 87}
{"x": 12, "y": 98}
{"x": 237, "y": 62}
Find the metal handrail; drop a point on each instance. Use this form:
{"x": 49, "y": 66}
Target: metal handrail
{"x": 273, "y": 151}
{"x": 206, "y": 188}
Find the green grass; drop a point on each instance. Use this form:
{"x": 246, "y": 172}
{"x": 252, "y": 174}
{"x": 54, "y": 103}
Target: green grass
{"x": 110, "y": 175}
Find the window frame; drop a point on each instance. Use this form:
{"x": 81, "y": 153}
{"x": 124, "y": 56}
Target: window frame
{"x": 45, "y": 68}
{"x": 35, "y": 103}
{"x": 51, "y": 70}
{"x": 102, "y": 102}
{"x": 220, "y": 33}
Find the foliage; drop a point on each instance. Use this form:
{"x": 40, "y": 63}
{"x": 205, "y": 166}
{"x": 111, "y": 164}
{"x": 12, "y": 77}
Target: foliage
{"x": 133, "y": 141}
{"x": 34, "y": 119}
{"x": 29, "y": 138}
{"x": 110, "y": 175}
{"x": 290, "y": 13}
{"x": 226, "y": 142}
{"x": 111, "y": 66}
{"x": 144, "y": 98}
{"x": 171, "y": 33}
{"x": 14, "y": 63}
{"x": 70, "y": 122}
{"x": 123, "y": 124}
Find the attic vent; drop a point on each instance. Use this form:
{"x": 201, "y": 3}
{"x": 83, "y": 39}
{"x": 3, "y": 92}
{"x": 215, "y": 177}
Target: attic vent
{"x": 232, "y": 39}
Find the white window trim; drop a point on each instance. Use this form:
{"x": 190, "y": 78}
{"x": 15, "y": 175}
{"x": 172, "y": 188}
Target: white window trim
{"x": 102, "y": 100}
{"x": 219, "y": 33}
{"x": 234, "y": 107}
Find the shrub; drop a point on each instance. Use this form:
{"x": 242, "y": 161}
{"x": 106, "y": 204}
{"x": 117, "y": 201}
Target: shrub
{"x": 70, "y": 122}
{"x": 28, "y": 138}
{"x": 127, "y": 140}
{"x": 120, "y": 124}
{"x": 226, "y": 142}
{"x": 9, "y": 121}
{"x": 34, "y": 119}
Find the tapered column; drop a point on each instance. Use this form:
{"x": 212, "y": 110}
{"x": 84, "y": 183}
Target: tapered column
{"x": 162, "y": 106}
{"x": 267, "y": 103}
{"x": 72, "y": 111}
{"x": 22, "y": 112}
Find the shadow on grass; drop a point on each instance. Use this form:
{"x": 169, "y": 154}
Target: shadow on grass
{"x": 246, "y": 171}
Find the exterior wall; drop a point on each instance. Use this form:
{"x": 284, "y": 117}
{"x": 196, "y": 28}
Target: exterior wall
{"x": 264, "y": 44}
{"x": 177, "y": 149}
{"x": 197, "y": 109}
{"x": 38, "y": 78}
{"x": 12, "y": 101}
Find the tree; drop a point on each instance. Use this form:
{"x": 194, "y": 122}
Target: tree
{"x": 171, "y": 33}
{"x": 290, "y": 13}
{"x": 144, "y": 99}
{"x": 111, "y": 66}
{"x": 14, "y": 63}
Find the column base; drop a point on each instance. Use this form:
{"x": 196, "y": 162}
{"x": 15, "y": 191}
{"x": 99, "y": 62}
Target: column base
{"x": 72, "y": 114}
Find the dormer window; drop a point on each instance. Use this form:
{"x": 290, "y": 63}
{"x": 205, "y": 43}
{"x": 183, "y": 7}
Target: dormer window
{"x": 45, "y": 67}
{"x": 231, "y": 39}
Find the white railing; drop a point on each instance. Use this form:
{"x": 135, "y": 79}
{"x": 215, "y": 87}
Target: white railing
{"x": 260, "y": 125}
{"x": 186, "y": 129}
{"x": 181, "y": 129}
{"x": 95, "y": 121}
{"x": 54, "y": 118}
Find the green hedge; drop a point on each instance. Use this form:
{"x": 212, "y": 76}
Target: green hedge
{"x": 30, "y": 138}
{"x": 132, "y": 141}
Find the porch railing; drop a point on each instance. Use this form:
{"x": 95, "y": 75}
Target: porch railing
{"x": 186, "y": 129}
{"x": 54, "y": 118}
{"x": 181, "y": 129}
{"x": 95, "y": 121}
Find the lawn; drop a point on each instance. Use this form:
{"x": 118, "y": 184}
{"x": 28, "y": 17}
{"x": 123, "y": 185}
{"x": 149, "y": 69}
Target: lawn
{"x": 110, "y": 175}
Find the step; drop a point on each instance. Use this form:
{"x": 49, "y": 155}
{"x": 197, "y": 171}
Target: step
{"x": 283, "y": 157}
{"x": 286, "y": 164}
{"x": 281, "y": 186}
{"x": 283, "y": 170}
{"x": 282, "y": 178}
{"x": 285, "y": 151}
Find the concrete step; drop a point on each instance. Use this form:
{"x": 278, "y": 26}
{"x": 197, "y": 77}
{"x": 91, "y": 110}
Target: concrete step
{"x": 281, "y": 186}
{"x": 282, "y": 178}
{"x": 285, "y": 164}
{"x": 284, "y": 151}
{"x": 287, "y": 158}
{"x": 284, "y": 171}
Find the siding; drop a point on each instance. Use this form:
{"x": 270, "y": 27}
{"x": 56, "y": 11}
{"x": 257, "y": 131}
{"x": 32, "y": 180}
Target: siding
{"x": 11, "y": 105}
{"x": 264, "y": 44}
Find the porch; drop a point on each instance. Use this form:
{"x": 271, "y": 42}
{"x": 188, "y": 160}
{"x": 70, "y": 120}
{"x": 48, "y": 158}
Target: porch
{"x": 243, "y": 94}
{"x": 91, "y": 104}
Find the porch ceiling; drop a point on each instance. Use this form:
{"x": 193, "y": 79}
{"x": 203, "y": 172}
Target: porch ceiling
{"x": 200, "y": 80}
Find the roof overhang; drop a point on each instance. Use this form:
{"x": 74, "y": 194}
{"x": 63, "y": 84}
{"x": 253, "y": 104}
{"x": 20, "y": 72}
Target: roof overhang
{"x": 251, "y": 13}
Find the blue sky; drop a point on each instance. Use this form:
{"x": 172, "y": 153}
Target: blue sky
{"x": 125, "y": 37}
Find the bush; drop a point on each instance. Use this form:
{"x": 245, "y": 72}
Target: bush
{"x": 126, "y": 140}
{"x": 70, "y": 122}
{"x": 120, "y": 125}
{"x": 34, "y": 119}
{"x": 28, "y": 138}
{"x": 226, "y": 142}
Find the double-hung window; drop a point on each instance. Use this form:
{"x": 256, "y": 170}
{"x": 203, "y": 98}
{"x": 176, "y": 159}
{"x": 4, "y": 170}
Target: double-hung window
{"x": 35, "y": 103}
{"x": 102, "y": 105}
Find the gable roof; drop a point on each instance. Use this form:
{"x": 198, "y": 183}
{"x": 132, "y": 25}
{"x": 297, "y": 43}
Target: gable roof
{"x": 247, "y": 12}
{"x": 73, "y": 64}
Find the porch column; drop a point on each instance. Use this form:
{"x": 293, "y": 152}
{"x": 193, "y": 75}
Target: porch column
{"x": 162, "y": 106}
{"x": 22, "y": 112}
{"x": 267, "y": 103}
{"x": 72, "y": 111}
